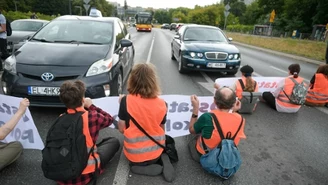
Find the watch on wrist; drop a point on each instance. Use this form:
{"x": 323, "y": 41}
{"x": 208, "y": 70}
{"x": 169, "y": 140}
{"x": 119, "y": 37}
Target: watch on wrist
{"x": 194, "y": 115}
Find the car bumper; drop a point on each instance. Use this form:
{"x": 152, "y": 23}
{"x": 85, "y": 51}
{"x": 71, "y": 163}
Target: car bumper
{"x": 17, "y": 85}
{"x": 196, "y": 64}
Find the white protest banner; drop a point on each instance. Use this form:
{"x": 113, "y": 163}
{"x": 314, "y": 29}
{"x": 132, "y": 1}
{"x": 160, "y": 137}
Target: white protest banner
{"x": 178, "y": 115}
{"x": 264, "y": 83}
{"x": 25, "y": 131}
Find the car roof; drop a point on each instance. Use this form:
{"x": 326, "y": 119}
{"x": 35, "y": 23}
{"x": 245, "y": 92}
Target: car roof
{"x": 32, "y": 20}
{"x": 87, "y": 18}
{"x": 200, "y": 26}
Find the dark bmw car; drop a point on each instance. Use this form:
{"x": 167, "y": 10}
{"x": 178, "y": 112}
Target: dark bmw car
{"x": 204, "y": 48}
{"x": 96, "y": 50}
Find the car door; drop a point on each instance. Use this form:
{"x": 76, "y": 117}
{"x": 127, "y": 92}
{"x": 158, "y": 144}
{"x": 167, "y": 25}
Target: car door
{"x": 177, "y": 44}
{"x": 122, "y": 51}
{"x": 129, "y": 50}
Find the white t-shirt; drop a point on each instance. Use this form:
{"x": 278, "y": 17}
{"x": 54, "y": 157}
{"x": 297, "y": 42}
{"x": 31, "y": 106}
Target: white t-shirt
{"x": 3, "y": 35}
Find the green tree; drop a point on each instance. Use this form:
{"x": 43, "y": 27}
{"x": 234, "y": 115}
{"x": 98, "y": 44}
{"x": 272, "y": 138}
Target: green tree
{"x": 252, "y": 14}
{"x": 321, "y": 13}
{"x": 162, "y": 16}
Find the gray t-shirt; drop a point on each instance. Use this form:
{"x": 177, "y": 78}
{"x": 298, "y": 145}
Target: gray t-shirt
{"x": 3, "y": 35}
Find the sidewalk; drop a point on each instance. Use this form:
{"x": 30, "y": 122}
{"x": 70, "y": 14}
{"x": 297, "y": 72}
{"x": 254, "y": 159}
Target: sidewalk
{"x": 295, "y": 57}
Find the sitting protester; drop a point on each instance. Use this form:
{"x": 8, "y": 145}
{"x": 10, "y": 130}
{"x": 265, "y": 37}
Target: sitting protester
{"x": 78, "y": 162}
{"x": 318, "y": 92}
{"x": 290, "y": 93}
{"x": 143, "y": 108}
{"x": 206, "y": 130}
{"x": 245, "y": 84}
{"x": 10, "y": 152}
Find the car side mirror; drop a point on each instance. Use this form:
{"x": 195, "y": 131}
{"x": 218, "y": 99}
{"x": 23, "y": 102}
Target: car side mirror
{"x": 176, "y": 37}
{"x": 125, "y": 43}
{"x": 230, "y": 39}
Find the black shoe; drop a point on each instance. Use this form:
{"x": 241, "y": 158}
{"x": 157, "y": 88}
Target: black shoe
{"x": 168, "y": 170}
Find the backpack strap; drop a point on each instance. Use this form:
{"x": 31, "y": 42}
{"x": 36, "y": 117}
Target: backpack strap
{"x": 295, "y": 83}
{"x": 241, "y": 84}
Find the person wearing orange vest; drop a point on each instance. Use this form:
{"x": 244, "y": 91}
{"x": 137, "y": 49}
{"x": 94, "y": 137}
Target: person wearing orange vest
{"x": 149, "y": 111}
{"x": 94, "y": 119}
{"x": 246, "y": 83}
{"x": 225, "y": 100}
{"x": 318, "y": 92}
{"x": 278, "y": 100}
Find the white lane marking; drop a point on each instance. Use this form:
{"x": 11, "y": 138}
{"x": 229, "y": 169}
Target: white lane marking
{"x": 150, "y": 50}
{"x": 122, "y": 171}
{"x": 279, "y": 69}
{"x": 207, "y": 78}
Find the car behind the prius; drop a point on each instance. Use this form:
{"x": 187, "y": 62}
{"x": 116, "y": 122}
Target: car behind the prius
{"x": 204, "y": 48}
{"x": 95, "y": 50}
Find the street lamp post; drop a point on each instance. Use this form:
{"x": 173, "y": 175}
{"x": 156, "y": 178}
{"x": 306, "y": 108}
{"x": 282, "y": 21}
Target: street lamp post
{"x": 70, "y": 6}
{"x": 79, "y": 7}
{"x": 15, "y": 5}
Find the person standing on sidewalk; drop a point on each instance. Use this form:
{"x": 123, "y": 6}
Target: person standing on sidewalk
{"x": 3, "y": 39}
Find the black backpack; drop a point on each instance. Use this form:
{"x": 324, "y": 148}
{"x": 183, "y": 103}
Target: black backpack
{"x": 65, "y": 154}
{"x": 8, "y": 28}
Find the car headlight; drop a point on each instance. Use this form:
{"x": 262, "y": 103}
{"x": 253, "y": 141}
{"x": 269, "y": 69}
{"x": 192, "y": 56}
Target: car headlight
{"x": 200, "y": 55}
{"x": 10, "y": 64}
{"x": 236, "y": 56}
{"x": 192, "y": 54}
{"x": 99, "y": 67}
{"x": 230, "y": 56}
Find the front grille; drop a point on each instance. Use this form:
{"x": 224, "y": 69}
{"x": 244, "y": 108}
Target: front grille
{"x": 216, "y": 55}
{"x": 62, "y": 78}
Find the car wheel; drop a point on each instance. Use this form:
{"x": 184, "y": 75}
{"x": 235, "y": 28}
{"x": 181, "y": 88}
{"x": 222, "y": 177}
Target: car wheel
{"x": 181, "y": 69}
{"x": 117, "y": 87}
{"x": 232, "y": 72}
{"x": 172, "y": 55}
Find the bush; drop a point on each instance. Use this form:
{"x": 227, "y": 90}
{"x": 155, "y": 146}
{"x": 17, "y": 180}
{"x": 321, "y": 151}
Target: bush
{"x": 240, "y": 28}
{"x": 13, "y": 15}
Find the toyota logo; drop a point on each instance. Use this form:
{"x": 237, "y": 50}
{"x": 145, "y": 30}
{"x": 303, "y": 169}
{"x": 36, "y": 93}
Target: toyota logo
{"x": 47, "y": 77}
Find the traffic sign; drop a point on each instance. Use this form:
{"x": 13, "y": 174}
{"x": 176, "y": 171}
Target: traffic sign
{"x": 327, "y": 26}
{"x": 273, "y": 14}
{"x": 86, "y": 6}
{"x": 227, "y": 7}
{"x": 226, "y": 13}
{"x": 86, "y": 1}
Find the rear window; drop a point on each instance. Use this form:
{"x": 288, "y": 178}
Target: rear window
{"x": 86, "y": 31}
{"x": 26, "y": 26}
{"x": 204, "y": 34}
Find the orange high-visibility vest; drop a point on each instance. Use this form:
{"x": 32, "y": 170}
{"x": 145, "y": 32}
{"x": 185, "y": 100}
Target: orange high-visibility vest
{"x": 229, "y": 122}
{"x": 282, "y": 99}
{"x": 91, "y": 165}
{"x": 319, "y": 93}
{"x": 149, "y": 113}
{"x": 240, "y": 90}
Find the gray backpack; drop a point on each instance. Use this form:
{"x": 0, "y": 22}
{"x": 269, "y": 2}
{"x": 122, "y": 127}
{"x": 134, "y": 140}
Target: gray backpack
{"x": 299, "y": 92}
{"x": 248, "y": 100}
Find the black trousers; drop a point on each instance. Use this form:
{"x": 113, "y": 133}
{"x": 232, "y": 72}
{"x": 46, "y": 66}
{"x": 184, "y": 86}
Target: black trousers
{"x": 3, "y": 49}
{"x": 269, "y": 99}
{"x": 107, "y": 149}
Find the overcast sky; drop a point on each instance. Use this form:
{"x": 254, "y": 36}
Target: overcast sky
{"x": 167, "y": 3}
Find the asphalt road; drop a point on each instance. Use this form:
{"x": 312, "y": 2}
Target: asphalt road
{"x": 279, "y": 149}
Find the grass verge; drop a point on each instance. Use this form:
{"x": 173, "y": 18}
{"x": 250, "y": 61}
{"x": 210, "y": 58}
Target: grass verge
{"x": 305, "y": 48}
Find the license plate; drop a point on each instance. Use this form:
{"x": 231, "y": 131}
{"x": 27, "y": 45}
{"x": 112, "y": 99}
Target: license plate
{"x": 44, "y": 91}
{"x": 216, "y": 65}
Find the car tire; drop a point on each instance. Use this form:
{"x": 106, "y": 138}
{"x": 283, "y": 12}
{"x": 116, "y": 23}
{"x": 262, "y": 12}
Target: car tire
{"x": 180, "y": 66}
{"x": 232, "y": 72}
{"x": 117, "y": 86}
{"x": 172, "y": 55}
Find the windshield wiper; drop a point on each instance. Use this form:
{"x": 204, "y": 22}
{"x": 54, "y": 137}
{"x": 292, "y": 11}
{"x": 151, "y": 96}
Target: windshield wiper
{"x": 42, "y": 40}
{"x": 76, "y": 42}
{"x": 214, "y": 40}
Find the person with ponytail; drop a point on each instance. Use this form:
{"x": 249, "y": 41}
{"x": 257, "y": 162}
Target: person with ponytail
{"x": 279, "y": 99}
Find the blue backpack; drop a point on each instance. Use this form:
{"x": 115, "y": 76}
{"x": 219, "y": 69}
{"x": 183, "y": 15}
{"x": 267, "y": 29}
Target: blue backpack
{"x": 225, "y": 159}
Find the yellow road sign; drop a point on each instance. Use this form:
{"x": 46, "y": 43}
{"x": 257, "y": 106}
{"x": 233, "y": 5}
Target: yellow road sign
{"x": 273, "y": 14}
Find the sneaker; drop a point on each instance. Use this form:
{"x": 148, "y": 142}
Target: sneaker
{"x": 168, "y": 170}
{"x": 149, "y": 170}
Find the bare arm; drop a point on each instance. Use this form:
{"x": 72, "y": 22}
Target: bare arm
{"x": 10, "y": 125}
{"x": 121, "y": 126}
{"x": 195, "y": 104}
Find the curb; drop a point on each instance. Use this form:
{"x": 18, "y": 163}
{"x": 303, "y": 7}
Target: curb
{"x": 295, "y": 57}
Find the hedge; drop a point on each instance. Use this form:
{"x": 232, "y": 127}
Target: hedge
{"x": 240, "y": 28}
{"x": 13, "y": 15}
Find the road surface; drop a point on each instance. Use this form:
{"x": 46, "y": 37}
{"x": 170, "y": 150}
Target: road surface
{"x": 279, "y": 149}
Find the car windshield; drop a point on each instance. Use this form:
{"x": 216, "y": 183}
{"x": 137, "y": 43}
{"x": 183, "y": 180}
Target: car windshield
{"x": 144, "y": 20}
{"x": 32, "y": 26}
{"x": 76, "y": 31}
{"x": 204, "y": 34}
